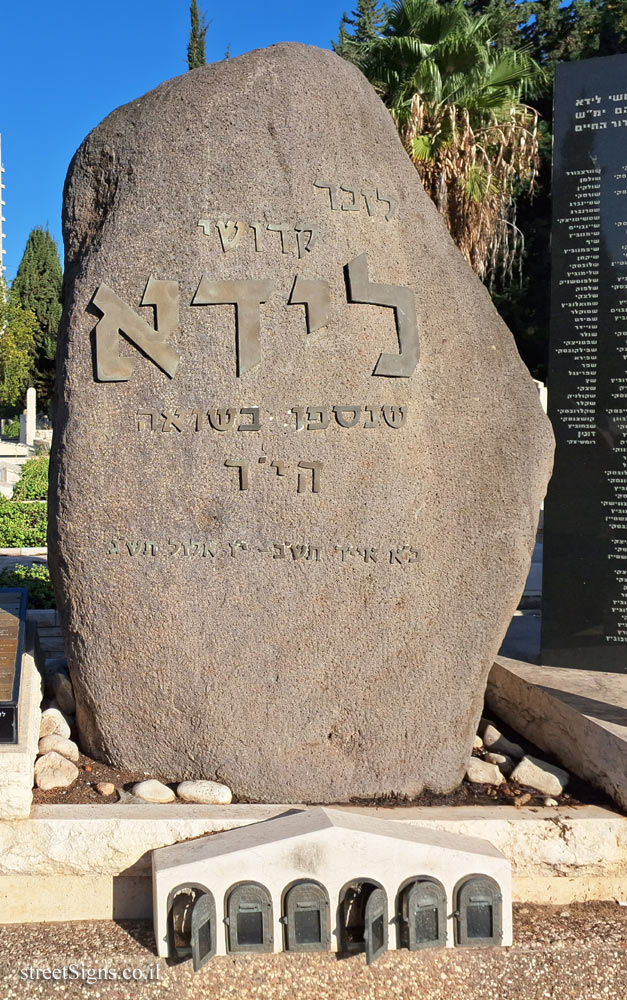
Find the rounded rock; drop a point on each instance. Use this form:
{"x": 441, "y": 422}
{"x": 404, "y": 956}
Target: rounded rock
{"x": 504, "y": 763}
{"x": 54, "y": 771}
{"x": 546, "y": 778}
{"x": 208, "y": 792}
{"x": 53, "y": 717}
{"x": 67, "y": 748}
{"x": 481, "y": 772}
{"x": 551, "y": 802}
{"x": 153, "y": 791}
{"x": 105, "y": 787}
{"x": 64, "y": 692}
{"x": 494, "y": 740}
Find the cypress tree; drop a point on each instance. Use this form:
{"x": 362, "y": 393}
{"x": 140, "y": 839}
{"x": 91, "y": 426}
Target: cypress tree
{"x": 37, "y": 287}
{"x": 196, "y": 45}
{"x": 366, "y": 21}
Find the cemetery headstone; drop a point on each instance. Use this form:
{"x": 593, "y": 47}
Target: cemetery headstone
{"x": 297, "y": 459}
{"x": 12, "y": 625}
{"x": 584, "y": 605}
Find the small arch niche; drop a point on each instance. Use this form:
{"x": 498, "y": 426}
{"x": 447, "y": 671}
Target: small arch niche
{"x": 307, "y": 917}
{"x": 249, "y": 918}
{"x": 478, "y": 914}
{"x": 422, "y": 914}
{"x": 363, "y": 918}
{"x": 191, "y": 924}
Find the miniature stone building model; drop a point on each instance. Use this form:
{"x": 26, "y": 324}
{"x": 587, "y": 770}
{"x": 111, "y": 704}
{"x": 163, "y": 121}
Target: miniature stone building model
{"x": 325, "y": 879}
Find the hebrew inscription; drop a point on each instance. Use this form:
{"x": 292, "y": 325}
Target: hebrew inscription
{"x": 247, "y": 296}
{"x": 281, "y": 552}
{"x": 293, "y": 240}
{"x": 345, "y": 198}
{"x": 361, "y": 289}
{"x": 118, "y": 318}
{"x": 247, "y": 418}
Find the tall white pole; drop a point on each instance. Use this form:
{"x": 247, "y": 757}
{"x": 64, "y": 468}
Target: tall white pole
{"x": 2, "y": 251}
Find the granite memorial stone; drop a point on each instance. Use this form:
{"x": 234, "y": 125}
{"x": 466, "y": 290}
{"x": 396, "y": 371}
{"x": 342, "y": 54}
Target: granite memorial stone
{"x": 298, "y": 461}
{"x": 584, "y": 601}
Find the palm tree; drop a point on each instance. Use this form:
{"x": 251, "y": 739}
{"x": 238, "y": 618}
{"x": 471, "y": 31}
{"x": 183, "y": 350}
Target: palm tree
{"x": 457, "y": 101}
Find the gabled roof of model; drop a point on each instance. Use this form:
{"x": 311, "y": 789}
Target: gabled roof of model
{"x": 293, "y": 824}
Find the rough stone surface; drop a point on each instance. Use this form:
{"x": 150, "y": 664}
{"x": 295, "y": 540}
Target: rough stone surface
{"x": 546, "y": 778}
{"x": 483, "y": 772}
{"x": 53, "y": 721}
{"x": 207, "y": 792}
{"x": 153, "y": 791}
{"x": 62, "y": 687}
{"x": 67, "y": 748}
{"x": 284, "y": 675}
{"x": 498, "y": 743}
{"x": 54, "y": 771}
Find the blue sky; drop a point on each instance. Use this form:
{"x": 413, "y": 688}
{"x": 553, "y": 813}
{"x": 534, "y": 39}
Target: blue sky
{"x": 66, "y": 65}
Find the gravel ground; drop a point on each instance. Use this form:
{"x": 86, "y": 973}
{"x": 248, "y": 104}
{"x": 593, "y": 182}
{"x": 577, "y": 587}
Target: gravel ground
{"x": 576, "y": 952}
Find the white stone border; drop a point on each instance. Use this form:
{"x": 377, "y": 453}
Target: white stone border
{"x": 93, "y": 862}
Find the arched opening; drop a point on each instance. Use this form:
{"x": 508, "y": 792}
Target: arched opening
{"x": 249, "y": 918}
{"x": 363, "y": 918}
{"x": 191, "y": 924}
{"x": 306, "y": 917}
{"x": 422, "y": 914}
{"x": 478, "y": 913}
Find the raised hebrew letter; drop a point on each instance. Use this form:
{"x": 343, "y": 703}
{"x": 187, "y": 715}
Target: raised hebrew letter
{"x": 395, "y": 416}
{"x": 147, "y": 416}
{"x": 355, "y": 193}
{"x": 278, "y": 550}
{"x": 311, "y": 242}
{"x": 361, "y": 289}
{"x": 259, "y": 228}
{"x": 370, "y": 198}
{"x": 332, "y": 189}
{"x": 199, "y": 417}
{"x": 222, "y": 419}
{"x": 315, "y": 296}
{"x": 172, "y": 420}
{"x": 317, "y": 418}
{"x": 315, "y": 476}
{"x": 246, "y": 296}
{"x": 369, "y": 554}
{"x": 374, "y": 417}
{"x": 283, "y": 229}
{"x": 281, "y": 467}
{"x": 230, "y": 234}
{"x": 207, "y": 226}
{"x": 119, "y": 318}
{"x": 299, "y": 552}
{"x": 392, "y": 202}
{"x": 250, "y": 411}
{"x": 347, "y": 421}
{"x": 243, "y": 472}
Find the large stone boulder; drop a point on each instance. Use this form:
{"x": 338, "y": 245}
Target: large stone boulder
{"x": 287, "y": 535}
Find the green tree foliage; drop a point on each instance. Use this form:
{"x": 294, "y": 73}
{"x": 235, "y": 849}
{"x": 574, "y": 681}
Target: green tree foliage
{"x": 366, "y": 21}
{"x": 35, "y": 578}
{"x": 457, "y": 101}
{"x": 38, "y": 287}
{"x": 23, "y": 524}
{"x": 196, "y": 46}
{"x": 18, "y": 336}
{"x": 33, "y": 481}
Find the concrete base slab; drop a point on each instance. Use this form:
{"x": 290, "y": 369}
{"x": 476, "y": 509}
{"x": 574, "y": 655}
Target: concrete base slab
{"x": 93, "y": 862}
{"x": 579, "y": 716}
